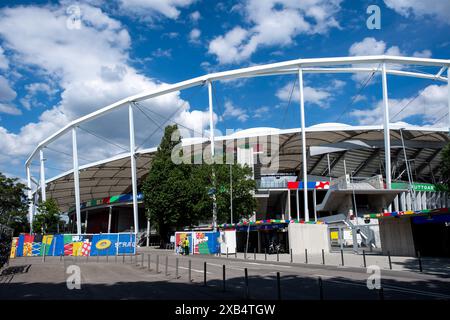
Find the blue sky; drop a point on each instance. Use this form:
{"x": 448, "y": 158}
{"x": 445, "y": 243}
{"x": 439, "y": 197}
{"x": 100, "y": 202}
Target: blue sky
{"x": 53, "y": 70}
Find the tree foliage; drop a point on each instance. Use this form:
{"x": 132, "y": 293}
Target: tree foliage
{"x": 176, "y": 195}
{"x": 13, "y": 204}
{"x": 48, "y": 217}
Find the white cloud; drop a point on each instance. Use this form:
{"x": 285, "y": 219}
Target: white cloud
{"x": 6, "y": 92}
{"x": 161, "y": 53}
{"x": 9, "y": 109}
{"x": 195, "y": 16}
{"x": 370, "y": 46}
{"x": 367, "y": 47}
{"x": 194, "y": 35}
{"x": 149, "y": 9}
{"x": 317, "y": 96}
{"x": 91, "y": 70}
{"x": 419, "y": 8}
{"x": 33, "y": 89}
{"x": 358, "y": 98}
{"x": 261, "y": 112}
{"x": 274, "y": 23}
{"x": 4, "y": 64}
{"x": 431, "y": 105}
{"x": 232, "y": 111}
{"x": 422, "y": 54}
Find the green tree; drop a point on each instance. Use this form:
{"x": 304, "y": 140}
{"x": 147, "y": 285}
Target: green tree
{"x": 13, "y": 204}
{"x": 242, "y": 190}
{"x": 177, "y": 195}
{"x": 48, "y": 217}
{"x": 445, "y": 168}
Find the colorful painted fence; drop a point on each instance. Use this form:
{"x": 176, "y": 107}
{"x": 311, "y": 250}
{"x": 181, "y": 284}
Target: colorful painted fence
{"x": 31, "y": 245}
{"x": 200, "y": 242}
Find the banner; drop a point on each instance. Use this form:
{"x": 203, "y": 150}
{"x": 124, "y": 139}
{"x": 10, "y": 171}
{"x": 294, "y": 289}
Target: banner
{"x": 73, "y": 245}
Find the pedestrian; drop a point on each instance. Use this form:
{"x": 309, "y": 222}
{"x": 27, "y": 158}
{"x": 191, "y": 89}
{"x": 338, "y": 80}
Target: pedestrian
{"x": 186, "y": 246}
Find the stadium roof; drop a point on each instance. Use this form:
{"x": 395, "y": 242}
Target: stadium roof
{"x": 361, "y": 147}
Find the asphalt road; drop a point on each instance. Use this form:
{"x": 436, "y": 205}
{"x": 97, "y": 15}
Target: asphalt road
{"x": 128, "y": 278}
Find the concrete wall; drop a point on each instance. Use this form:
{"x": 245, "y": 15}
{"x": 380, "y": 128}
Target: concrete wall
{"x": 313, "y": 237}
{"x": 397, "y": 237}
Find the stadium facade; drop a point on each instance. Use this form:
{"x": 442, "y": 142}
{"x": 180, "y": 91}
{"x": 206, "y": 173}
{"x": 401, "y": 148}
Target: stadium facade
{"x": 307, "y": 174}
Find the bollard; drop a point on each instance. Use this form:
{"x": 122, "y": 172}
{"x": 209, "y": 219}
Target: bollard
{"x": 148, "y": 265}
{"x": 204, "y": 273}
{"x": 278, "y": 256}
{"x": 157, "y": 263}
{"x": 235, "y": 252}
{"x": 176, "y": 268}
{"x": 43, "y": 254}
{"x": 227, "y": 252}
{"x": 123, "y": 259}
{"x": 60, "y": 257}
{"x": 306, "y": 256}
{"x": 142, "y": 261}
{"x": 364, "y": 258}
{"x": 107, "y": 255}
{"x": 167, "y": 266}
{"x": 115, "y": 258}
{"x": 279, "y": 286}
{"x": 190, "y": 278}
{"x": 381, "y": 293}
{"x": 342, "y": 257}
{"x": 265, "y": 254}
{"x": 245, "y": 255}
{"x": 320, "y": 288}
{"x": 254, "y": 254}
{"x": 323, "y": 257}
{"x": 292, "y": 260}
{"x": 223, "y": 281}
{"x": 420, "y": 261}
{"x": 246, "y": 284}
{"x": 390, "y": 262}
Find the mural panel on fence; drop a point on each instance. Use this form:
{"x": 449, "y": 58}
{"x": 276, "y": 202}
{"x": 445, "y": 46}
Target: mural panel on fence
{"x": 27, "y": 245}
{"x": 199, "y": 242}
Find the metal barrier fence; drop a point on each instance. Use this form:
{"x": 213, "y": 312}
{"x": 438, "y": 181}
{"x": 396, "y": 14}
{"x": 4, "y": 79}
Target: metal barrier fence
{"x": 5, "y": 244}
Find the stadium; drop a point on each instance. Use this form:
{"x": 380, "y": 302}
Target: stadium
{"x": 380, "y": 181}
